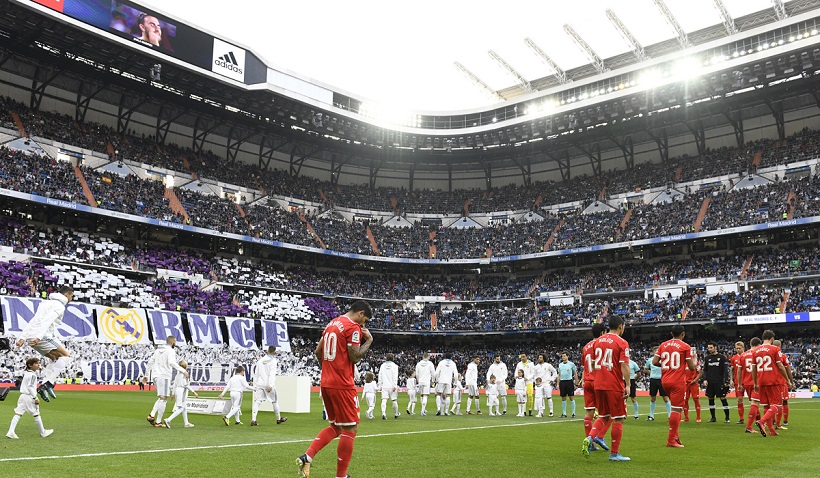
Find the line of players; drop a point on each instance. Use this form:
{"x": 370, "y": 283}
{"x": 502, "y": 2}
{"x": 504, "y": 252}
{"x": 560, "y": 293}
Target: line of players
{"x": 533, "y": 386}
{"x": 762, "y": 372}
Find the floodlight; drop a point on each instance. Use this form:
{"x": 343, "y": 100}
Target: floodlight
{"x": 650, "y": 79}
{"x": 791, "y": 38}
{"x": 814, "y": 32}
{"x": 687, "y": 68}
{"x": 495, "y": 119}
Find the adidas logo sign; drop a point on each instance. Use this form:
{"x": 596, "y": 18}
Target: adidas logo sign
{"x": 228, "y": 61}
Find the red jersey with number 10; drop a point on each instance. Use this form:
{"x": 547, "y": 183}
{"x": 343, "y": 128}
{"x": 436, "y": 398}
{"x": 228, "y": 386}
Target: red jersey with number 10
{"x": 609, "y": 352}
{"x": 766, "y": 358}
{"x": 674, "y": 354}
{"x": 588, "y": 359}
{"x": 337, "y": 369}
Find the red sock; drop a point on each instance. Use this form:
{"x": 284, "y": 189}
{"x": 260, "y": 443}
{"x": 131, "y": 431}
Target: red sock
{"x": 598, "y": 425}
{"x": 587, "y": 426}
{"x": 786, "y": 412}
{"x": 769, "y": 416}
{"x": 740, "y": 410}
{"x": 674, "y": 426}
{"x": 752, "y": 415}
{"x": 686, "y": 410}
{"x": 697, "y": 407}
{"x": 617, "y": 433}
{"x": 779, "y": 416}
{"x": 345, "y": 452}
{"x": 322, "y": 439}
{"x": 602, "y": 431}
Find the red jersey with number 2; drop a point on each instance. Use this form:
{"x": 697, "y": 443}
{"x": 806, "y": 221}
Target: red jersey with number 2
{"x": 609, "y": 352}
{"x": 337, "y": 369}
{"x": 766, "y": 359}
{"x": 673, "y": 354}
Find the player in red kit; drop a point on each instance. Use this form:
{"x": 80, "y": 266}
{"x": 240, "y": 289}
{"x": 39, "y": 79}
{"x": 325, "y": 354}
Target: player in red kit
{"x": 737, "y": 365}
{"x": 785, "y": 385}
{"x": 339, "y": 349}
{"x": 675, "y": 357}
{"x": 768, "y": 361}
{"x": 588, "y": 359}
{"x": 748, "y": 363}
{"x": 611, "y": 362}
{"x": 692, "y": 391}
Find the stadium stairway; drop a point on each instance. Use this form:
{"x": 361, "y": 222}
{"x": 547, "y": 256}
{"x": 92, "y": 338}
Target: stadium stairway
{"x": 310, "y": 228}
{"x": 535, "y": 284}
{"x": 433, "y": 249}
{"x": 602, "y": 194}
{"x": 746, "y": 266}
{"x": 704, "y": 207}
{"x": 86, "y": 190}
{"x": 175, "y": 205}
{"x": 259, "y": 185}
{"x": 372, "y": 240}
{"x": 552, "y": 236}
{"x": 685, "y": 310}
{"x": 187, "y": 165}
{"x": 624, "y": 221}
{"x": 678, "y": 174}
{"x": 538, "y": 200}
{"x": 112, "y": 153}
{"x": 756, "y": 160}
{"x": 241, "y": 211}
{"x": 394, "y": 204}
{"x": 20, "y": 128}
{"x": 325, "y": 200}
{"x": 791, "y": 201}
{"x": 466, "y": 207}
{"x": 785, "y": 301}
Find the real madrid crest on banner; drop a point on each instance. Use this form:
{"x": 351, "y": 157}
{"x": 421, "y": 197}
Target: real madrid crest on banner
{"x": 122, "y": 326}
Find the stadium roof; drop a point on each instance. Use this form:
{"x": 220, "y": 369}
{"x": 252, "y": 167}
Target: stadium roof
{"x": 404, "y": 54}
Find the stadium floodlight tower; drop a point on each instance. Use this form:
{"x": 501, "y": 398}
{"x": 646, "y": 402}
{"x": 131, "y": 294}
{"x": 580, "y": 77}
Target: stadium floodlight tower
{"x": 779, "y": 9}
{"x": 484, "y": 87}
{"x": 522, "y": 82}
{"x": 557, "y": 71}
{"x": 728, "y": 21}
{"x": 627, "y": 35}
{"x": 680, "y": 33}
{"x": 593, "y": 57}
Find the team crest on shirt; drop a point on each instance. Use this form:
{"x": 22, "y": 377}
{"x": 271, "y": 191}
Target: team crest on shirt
{"x": 626, "y": 352}
{"x": 355, "y": 337}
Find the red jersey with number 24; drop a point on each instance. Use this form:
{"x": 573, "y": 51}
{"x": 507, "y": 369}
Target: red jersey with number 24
{"x": 337, "y": 369}
{"x": 609, "y": 352}
{"x": 673, "y": 354}
{"x": 766, "y": 358}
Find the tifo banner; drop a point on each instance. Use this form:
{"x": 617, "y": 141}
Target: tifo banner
{"x": 78, "y": 320}
{"x": 241, "y": 333}
{"x": 275, "y": 332}
{"x": 778, "y": 318}
{"x": 164, "y": 324}
{"x": 205, "y": 331}
{"x": 121, "y": 326}
{"x": 116, "y": 371}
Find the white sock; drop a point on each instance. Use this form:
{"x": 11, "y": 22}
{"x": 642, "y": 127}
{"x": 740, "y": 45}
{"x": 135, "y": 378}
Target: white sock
{"x": 470, "y": 404}
{"x": 504, "y": 401}
{"x": 395, "y": 408}
{"x": 185, "y": 415}
{"x": 39, "y": 421}
{"x": 384, "y": 406}
{"x": 276, "y": 410}
{"x": 478, "y": 404}
{"x": 551, "y": 405}
{"x": 14, "y": 420}
{"x": 160, "y": 410}
{"x": 413, "y": 407}
{"x": 424, "y": 403}
{"x": 156, "y": 407}
{"x": 254, "y": 410}
{"x": 438, "y": 402}
{"x": 447, "y": 404}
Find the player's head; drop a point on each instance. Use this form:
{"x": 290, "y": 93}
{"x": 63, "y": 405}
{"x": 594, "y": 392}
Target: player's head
{"x": 239, "y": 370}
{"x": 598, "y": 330}
{"x": 523, "y": 357}
{"x": 538, "y": 380}
{"x": 171, "y": 340}
{"x": 389, "y": 357}
{"x": 776, "y": 343}
{"x": 498, "y": 358}
{"x": 520, "y": 372}
{"x": 768, "y": 336}
{"x": 541, "y": 358}
{"x": 712, "y": 348}
{"x": 492, "y": 378}
{"x": 616, "y": 325}
{"x": 476, "y": 360}
{"x": 369, "y": 377}
{"x": 740, "y": 347}
{"x": 426, "y": 355}
{"x": 678, "y": 332}
{"x": 360, "y": 312}
{"x": 271, "y": 350}
{"x": 412, "y": 373}
{"x": 33, "y": 363}
{"x": 448, "y": 355}
{"x": 67, "y": 291}
{"x": 755, "y": 342}
{"x": 564, "y": 357}
{"x": 150, "y": 28}
{"x": 183, "y": 364}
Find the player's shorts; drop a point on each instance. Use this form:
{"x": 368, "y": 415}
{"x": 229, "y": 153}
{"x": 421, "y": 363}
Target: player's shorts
{"x": 589, "y": 395}
{"x": 424, "y": 389}
{"x": 44, "y": 346}
{"x": 444, "y": 388}
{"x": 390, "y": 394}
{"x": 370, "y": 398}
{"x": 520, "y": 396}
{"x": 566, "y": 388}
{"x": 472, "y": 390}
{"x": 771, "y": 395}
{"x": 656, "y": 387}
{"x": 676, "y": 392}
{"x": 180, "y": 396}
{"x": 610, "y": 403}
{"x": 749, "y": 392}
{"x": 633, "y": 388}
{"x": 492, "y": 400}
{"x": 342, "y": 406}
{"x": 411, "y": 394}
{"x": 739, "y": 394}
{"x": 502, "y": 389}
{"x": 260, "y": 395}
{"x": 163, "y": 385}
{"x": 25, "y": 404}
{"x": 692, "y": 391}
{"x": 717, "y": 389}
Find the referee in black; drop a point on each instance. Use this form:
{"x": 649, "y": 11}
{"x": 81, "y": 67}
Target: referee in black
{"x": 716, "y": 378}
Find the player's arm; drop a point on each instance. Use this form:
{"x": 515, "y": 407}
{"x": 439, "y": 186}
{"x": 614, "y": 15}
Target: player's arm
{"x": 625, "y": 372}
{"x": 727, "y": 375}
{"x": 37, "y": 327}
{"x": 357, "y": 352}
{"x": 782, "y": 369}
{"x": 790, "y": 377}
{"x": 575, "y": 373}
{"x": 318, "y": 352}
{"x": 754, "y": 378}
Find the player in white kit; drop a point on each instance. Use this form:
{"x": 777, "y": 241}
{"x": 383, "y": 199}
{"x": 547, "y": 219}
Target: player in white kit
{"x": 521, "y": 392}
{"x": 369, "y": 393}
{"x": 160, "y": 365}
{"x": 264, "y": 386}
{"x": 411, "y": 392}
{"x": 446, "y": 373}
{"x": 389, "y": 385}
{"x": 492, "y": 396}
{"x": 471, "y": 382}
{"x": 539, "y": 397}
{"x": 499, "y": 369}
{"x": 425, "y": 370}
{"x": 235, "y": 387}
{"x": 458, "y": 391}
{"x": 548, "y": 375}
{"x": 28, "y": 401}
{"x": 180, "y": 395}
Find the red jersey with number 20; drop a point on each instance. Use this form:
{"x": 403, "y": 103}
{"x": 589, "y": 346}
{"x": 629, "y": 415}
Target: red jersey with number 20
{"x": 766, "y": 358}
{"x": 609, "y": 352}
{"x": 673, "y": 354}
{"x": 588, "y": 358}
{"x": 337, "y": 369}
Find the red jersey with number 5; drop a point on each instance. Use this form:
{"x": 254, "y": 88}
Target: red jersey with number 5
{"x": 766, "y": 359}
{"x": 337, "y": 369}
{"x": 747, "y": 360}
{"x": 673, "y": 354}
{"x": 609, "y": 352}
{"x": 588, "y": 359}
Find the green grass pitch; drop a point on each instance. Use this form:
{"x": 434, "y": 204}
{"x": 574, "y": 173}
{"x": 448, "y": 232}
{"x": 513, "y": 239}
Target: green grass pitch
{"x": 105, "y": 434}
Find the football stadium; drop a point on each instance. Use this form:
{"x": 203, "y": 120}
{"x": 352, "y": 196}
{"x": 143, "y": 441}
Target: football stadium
{"x": 606, "y": 261}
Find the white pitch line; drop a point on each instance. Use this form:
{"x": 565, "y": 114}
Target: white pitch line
{"x": 280, "y": 442}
